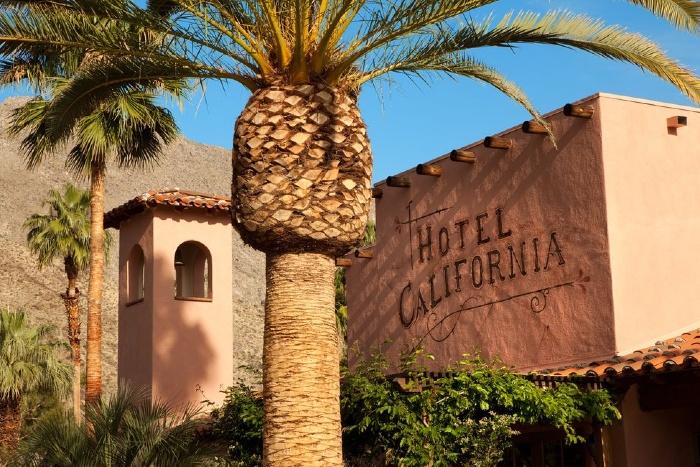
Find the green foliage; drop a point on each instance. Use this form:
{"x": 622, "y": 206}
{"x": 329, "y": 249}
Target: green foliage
{"x": 341, "y": 307}
{"x": 370, "y": 234}
{"x": 64, "y": 232}
{"x": 129, "y": 129}
{"x": 466, "y": 418}
{"x": 460, "y": 419}
{"x": 126, "y": 430}
{"x": 29, "y": 360}
{"x": 239, "y": 423}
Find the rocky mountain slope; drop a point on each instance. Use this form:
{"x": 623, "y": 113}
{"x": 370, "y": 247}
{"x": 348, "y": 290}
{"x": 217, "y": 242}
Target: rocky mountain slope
{"x": 186, "y": 165}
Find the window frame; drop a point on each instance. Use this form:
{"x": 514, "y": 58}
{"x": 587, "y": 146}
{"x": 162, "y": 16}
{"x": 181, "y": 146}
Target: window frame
{"x": 207, "y": 283}
{"x": 131, "y": 298}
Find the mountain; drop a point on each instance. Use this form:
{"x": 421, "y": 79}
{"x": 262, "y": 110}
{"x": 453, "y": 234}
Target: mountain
{"x": 185, "y": 165}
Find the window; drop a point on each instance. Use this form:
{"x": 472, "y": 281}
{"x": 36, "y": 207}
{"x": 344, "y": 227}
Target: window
{"x": 135, "y": 275}
{"x": 192, "y": 272}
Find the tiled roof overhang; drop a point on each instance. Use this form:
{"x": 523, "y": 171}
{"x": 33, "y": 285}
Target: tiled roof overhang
{"x": 673, "y": 354}
{"x": 177, "y": 199}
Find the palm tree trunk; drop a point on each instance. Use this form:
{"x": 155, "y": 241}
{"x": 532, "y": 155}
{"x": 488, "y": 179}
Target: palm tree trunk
{"x": 301, "y": 377}
{"x": 10, "y": 423}
{"x": 93, "y": 360}
{"x": 71, "y": 300}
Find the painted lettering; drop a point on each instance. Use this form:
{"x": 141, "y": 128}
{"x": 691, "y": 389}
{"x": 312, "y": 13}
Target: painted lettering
{"x": 480, "y": 240}
{"x": 499, "y": 219}
{"x": 425, "y": 244}
{"x": 494, "y": 257}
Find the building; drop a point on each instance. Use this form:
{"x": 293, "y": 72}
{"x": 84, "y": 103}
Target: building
{"x": 571, "y": 262}
{"x": 175, "y": 295}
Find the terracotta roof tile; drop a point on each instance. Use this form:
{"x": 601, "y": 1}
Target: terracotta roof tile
{"x": 672, "y": 354}
{"x": 179, "y": 199}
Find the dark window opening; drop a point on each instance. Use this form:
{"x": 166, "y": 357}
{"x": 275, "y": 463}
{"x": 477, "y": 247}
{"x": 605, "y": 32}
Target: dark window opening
{"x": 135, "y": 275}
{"x": 193, "y": 272}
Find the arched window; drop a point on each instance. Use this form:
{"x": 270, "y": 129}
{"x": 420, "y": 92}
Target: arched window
{"x": 192, "y": 271}
{"x": 135, "y": 275}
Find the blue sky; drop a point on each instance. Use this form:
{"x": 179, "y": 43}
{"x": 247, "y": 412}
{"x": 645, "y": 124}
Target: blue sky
{"x": 409, "y": 123}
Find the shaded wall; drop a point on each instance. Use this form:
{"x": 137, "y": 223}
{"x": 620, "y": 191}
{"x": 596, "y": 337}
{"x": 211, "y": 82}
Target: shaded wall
{"x": 658, "y": 437}
{"x": 534, "y": 291}
{"x": 135, "y": 346}
{"x": 193, "y": 340}
{"x": 181, "y": 349}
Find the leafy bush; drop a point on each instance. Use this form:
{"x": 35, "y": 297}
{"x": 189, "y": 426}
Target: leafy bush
{"x": 465, "y": 418}
{"x": 238, "y": 422}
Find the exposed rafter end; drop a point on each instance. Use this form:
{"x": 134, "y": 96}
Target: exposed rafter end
{"x": 497, "y": 142}
{"x": 429, "y": 169}
{"x": 677, "y": 122}
{"x": 398, "y": 181}
{"x": 534, "y": 128}
{"x": 461, "y": 155}
{"x": 343, "y": 262}
{"x": 578, "y": 111}
{"x": 365, "y": 253}
{"x": 377, "y": 192}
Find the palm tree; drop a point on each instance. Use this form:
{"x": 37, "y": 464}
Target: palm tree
{"x": 28, "y": 363}
{"x": 128, "y": 129}
{"x": 126, "y": 430}
{"x": 65, "y": 233}
{"x": 302, "y": 161}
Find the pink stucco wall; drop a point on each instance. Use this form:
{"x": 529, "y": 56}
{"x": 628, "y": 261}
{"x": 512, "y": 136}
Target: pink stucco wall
{"x": 652, "y": 184}
{"x": 654, "y": 438}
{"x": 558, "y": 312}
{"x": 620, "y": 196}
{"x": 135, "y": 349}
{"x": 190, "y": 342}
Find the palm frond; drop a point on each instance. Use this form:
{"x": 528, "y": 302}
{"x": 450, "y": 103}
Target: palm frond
{"x": 28, "y": 358}
{"x": 126, "y": 429}
{"x": 555, "y": 28}
{"x": 88, "y": 90}
{"x": 399, "y": 20}
{"x": 683, "y": 14}
{"x": 459, "y": 64}
{"x": 128, "y": 128}
{"x": 29, "y": 120}
{"x": 64, "y": 232}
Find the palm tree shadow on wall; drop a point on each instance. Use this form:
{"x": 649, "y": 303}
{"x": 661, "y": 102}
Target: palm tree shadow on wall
{"x": 183, "y": 355}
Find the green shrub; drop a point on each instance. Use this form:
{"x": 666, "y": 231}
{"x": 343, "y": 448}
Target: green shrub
{"x": 463, "y": 419}
{"x": 238, "y": 423}
{"x": 126, "y": 429}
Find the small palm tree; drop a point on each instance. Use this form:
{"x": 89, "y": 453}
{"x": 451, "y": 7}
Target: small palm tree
{"x": 302, "y": 162}
{"x": 28, "y": 363}
{"x": 126, "y": 430}
{"x": 64, "y": 233}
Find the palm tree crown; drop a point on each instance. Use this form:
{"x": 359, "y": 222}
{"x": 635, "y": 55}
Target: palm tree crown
{"x": 28, "y": 359}
{"x": 64, "y": 232}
